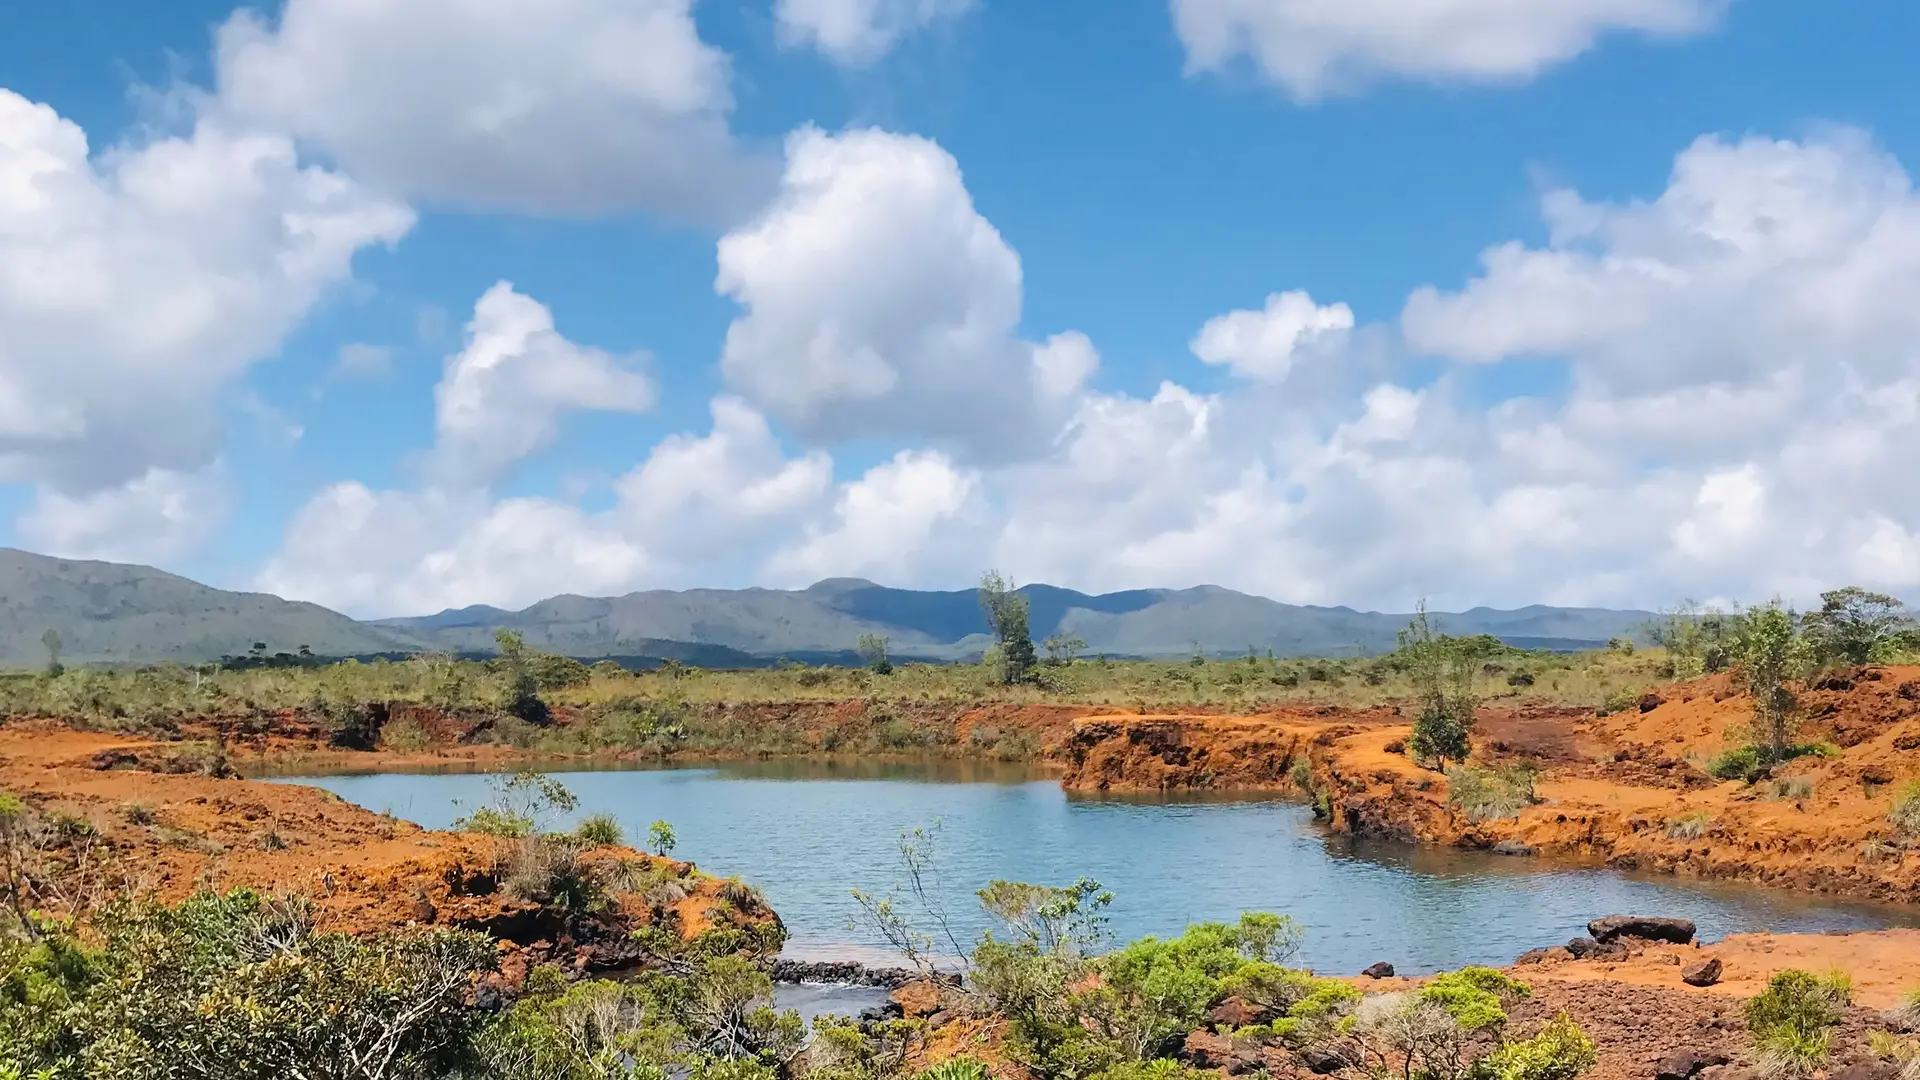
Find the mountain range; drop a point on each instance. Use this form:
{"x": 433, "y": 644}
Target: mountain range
{"x": 117, "y": 613}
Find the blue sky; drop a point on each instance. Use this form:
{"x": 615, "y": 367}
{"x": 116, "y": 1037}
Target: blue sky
{"x": 1628, "y": 413}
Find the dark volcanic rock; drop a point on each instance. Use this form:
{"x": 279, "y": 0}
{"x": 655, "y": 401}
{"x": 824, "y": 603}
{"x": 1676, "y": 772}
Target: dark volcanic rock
{"x": 1381, "y": 970}
{"x": 1538, "y": 956}
{"x": 1867, "y": 1070}
{"x": 845, "y": 973}
{"x": 1514, "y": 847}
{"x": 1643, "y": 927}
{"x": 1685, "y": 1064}
{"x": 1704, "y": 973}
{"x": 1323, "y": 1062}
{"x": 1651, "y": 701}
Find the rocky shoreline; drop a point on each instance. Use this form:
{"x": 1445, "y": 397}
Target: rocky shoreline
{"x": 847, "y": 973}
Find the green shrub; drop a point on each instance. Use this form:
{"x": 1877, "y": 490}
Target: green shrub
{"x": 1788, "y": 788}
{"x": 405, "y": 735}
{"x": 1625, "y": 699}
{"x": 1157, "y": 1069}
{"x": 1691, "y": 827}
{"x": 1739, "y": 763}
{"x": 958, "y": 1068}
{"x": 1561, "y": 1051}
{"x": 1790, "y": 1020}
{"x": 1301, "y": 774}
{"x": 599, "y": 830}
{"x": 242, "y": 987}
{"x": 660, "y": 838}
{"x": 1905, "y": 814}
{"x": 1488, "y": 795}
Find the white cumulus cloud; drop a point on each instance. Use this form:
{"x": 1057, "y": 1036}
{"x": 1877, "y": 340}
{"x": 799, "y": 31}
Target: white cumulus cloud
{"x": 502, "y": 397}
{"x": 1265, "y": 344}
{"x": 136, "y": 287}
{"x": 453, "y": 541}
{"x": 1722, "y": 399}
{"x": 154, "y": 517}
{"x": 878, "y": 302}
{"x": 882, "y": 523}
{"x": 563, "y": 106}
{"x": 858, "y": 32}
{"x": 1314, "y": 48}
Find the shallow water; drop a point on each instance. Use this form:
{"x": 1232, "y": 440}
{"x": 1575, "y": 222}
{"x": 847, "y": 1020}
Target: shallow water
{"x": 806, "y": 833}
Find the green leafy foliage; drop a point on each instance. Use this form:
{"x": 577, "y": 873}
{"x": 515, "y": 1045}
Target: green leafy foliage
{"x": 1007, "y": 619}
{"x": 1792, "y": 1019}
{"x": 1739, "y": 763}
{"x": 1855, "y": 626}
{"x": 599, "y": 830}
{"x": 1154, "y": 991}
{"x": 516, "y": 666}
{"x": 1905, "y": 815}
{"x": 1442, "y": 669}
{"x": 1771, "y": 652}
{"x": 1561, "y": 1051}
{"x": 660, "y": 838}
{"x": 241, "y": 986}
{"x": 1490, "y": 794}
{"x": 958, "y": 1068}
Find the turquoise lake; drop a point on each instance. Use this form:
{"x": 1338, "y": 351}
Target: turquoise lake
{"x": 806, "y": 833}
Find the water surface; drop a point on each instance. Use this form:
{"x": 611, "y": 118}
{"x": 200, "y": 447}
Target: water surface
{"x": 807, "y": 833}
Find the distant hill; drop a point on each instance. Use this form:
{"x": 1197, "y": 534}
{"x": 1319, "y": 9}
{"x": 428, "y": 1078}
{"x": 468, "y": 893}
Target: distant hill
{"x": 832, "y": 615}
{"x": 109, "y": 612}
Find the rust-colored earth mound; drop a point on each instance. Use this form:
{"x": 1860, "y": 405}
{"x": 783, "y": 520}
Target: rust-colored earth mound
{"x": 1629, "y": 789}
{"x": 155, "y": 831}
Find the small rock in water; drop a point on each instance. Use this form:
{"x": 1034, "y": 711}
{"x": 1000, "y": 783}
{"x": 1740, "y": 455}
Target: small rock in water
{"x": 1704, "y": 973}
{"x": 1381, "y": 970}
{"x": 1514, "y": 847}
{"x": 1643, "y": 927}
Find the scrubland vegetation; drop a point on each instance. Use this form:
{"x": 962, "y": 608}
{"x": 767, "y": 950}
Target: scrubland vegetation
{"x": 609, "y": 708}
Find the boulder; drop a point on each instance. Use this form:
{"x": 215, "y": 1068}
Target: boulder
{"x": 1641, "y": 927}
{"x": 1514, "y": 847}
{"x": 1323, "y": 1062}
{"x": 1238, "y": 1012}
{"x": 1381, "y": 970}
{"x": 916, "y": 999}
{"x": 1867, "y": 1070}
{"x": 1686, "y": 1064}
{"x": 1704, "y": 973}
{"x": 1651, "y": 701}
{"x": 1582, "y": 947}
{"x": 1541, "y": 956}
{"x": 1206, "y": 1050}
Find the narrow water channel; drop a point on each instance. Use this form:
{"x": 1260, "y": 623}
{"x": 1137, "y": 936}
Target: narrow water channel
{"x": 808, "y": 833}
